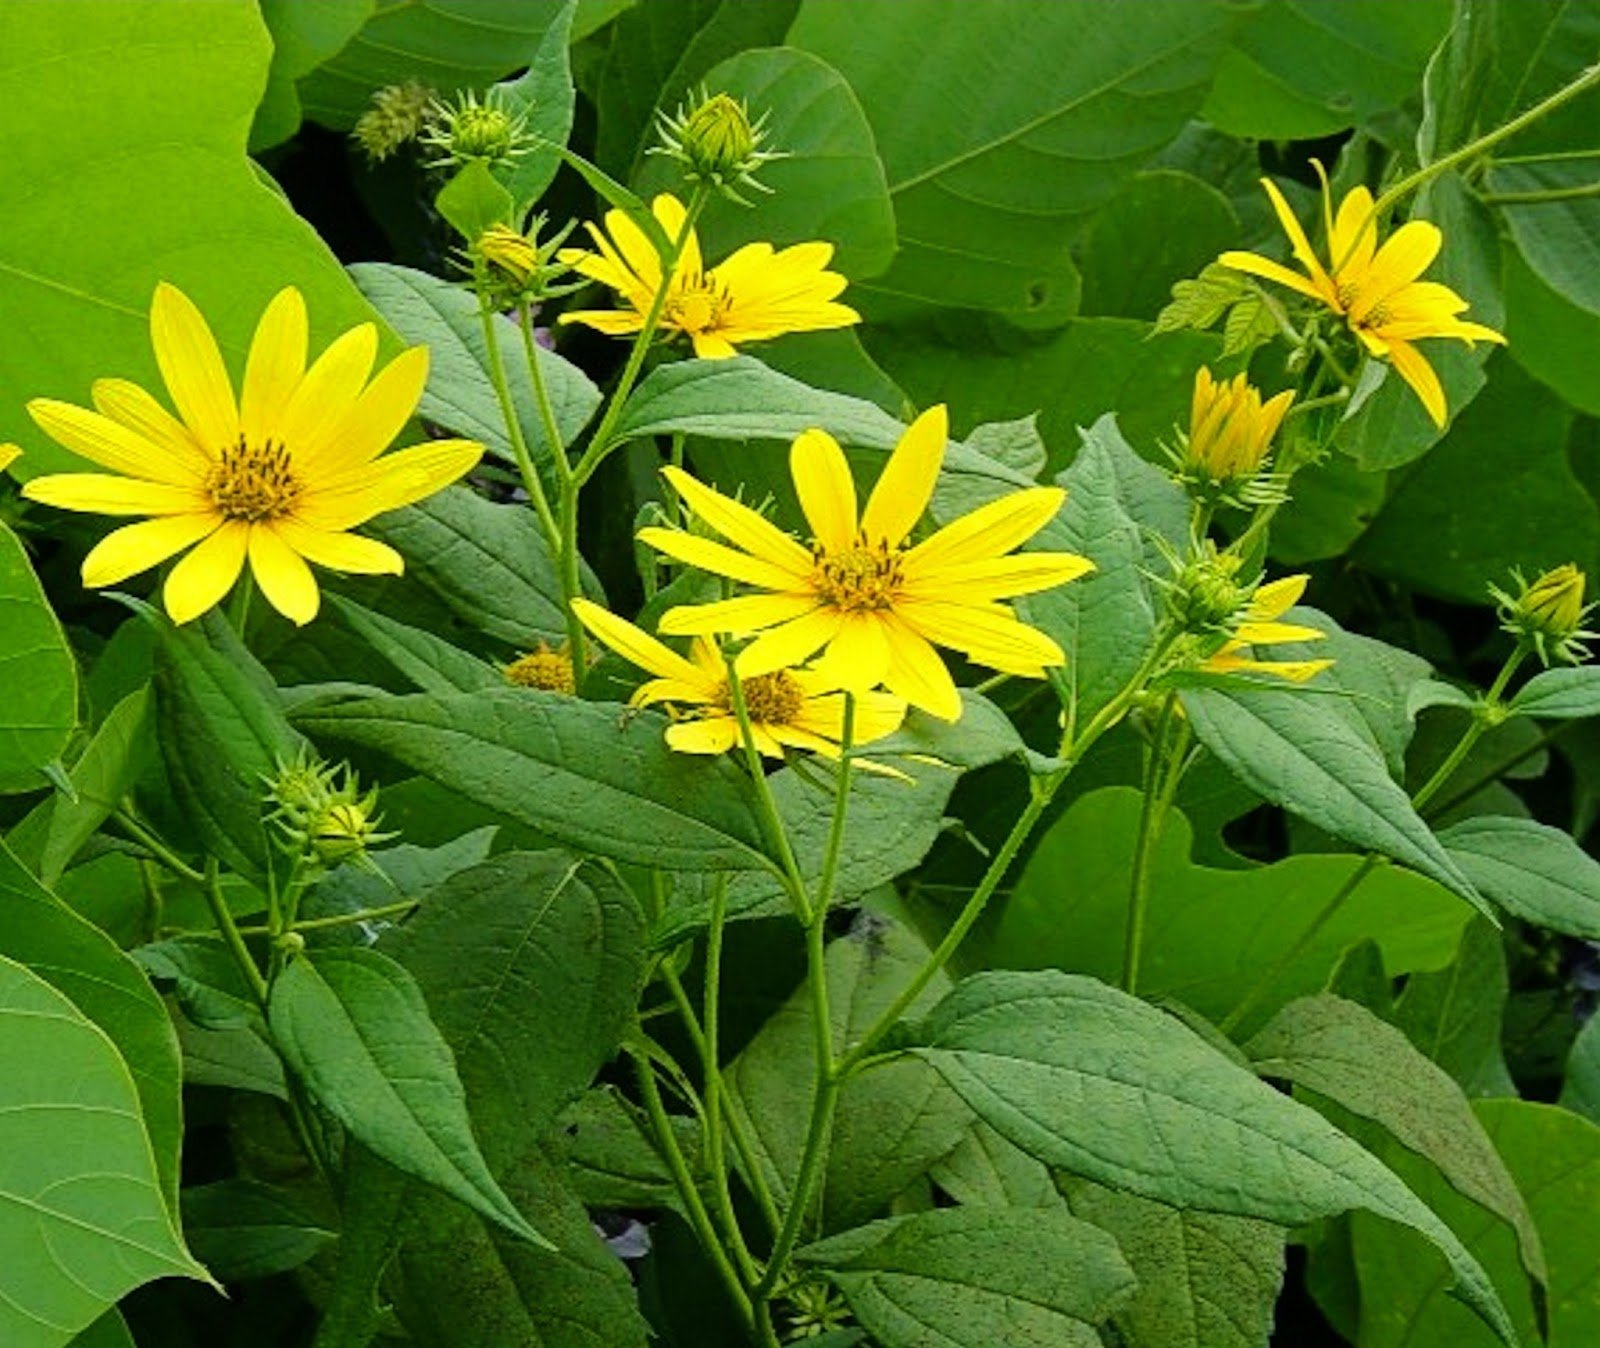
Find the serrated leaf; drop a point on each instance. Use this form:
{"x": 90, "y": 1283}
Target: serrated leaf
{"x": 1565, "y": 693}
{"x": 1200, "y": 301}
{"x": 1536, "y": 872}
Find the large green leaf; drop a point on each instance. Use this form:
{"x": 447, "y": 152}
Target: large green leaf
{"x": 590, "y": 774}
{"x": 447, "y": 44}
{"x": 1554, "y": 1157}
{"x": 975, "y": 1277}
{"x": 41, "y": 678}
{"x": 1101, "y": 1084}
{"x": 544, "y": 95}
{"x": 1562, "y": 693}
{"x": 1341, "y": 1050}
{"x": 136, "y": 114}
{"x": 303, "y": 37}
{"x": 893, "y": 1122}
{"x": 1550, "y": 335}
{"x": 829, "y": 185}
{"x": 242, "y": 1229}
{"x": 1292, "y": 750}
{"x": 1212, "y": 934}
{"x": 81, "y": 1210}
{"x": 353, "y": 1025}
{"x": 84, "y": 964}
{"x": 1455, "y": 1015}
{"x": 428, "y": 661}
{"x": 1534, "y": 871}
{"x": 990, "y": 160}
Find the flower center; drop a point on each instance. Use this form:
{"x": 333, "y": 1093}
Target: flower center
{"x": 860, "y": 579}
{"x": 1347, "y": 295}
{"x": 253, "y": 482}
{"x": 697, "y": 305}
{"x": 771, "y": 699}
{"x": 550, "y": 670}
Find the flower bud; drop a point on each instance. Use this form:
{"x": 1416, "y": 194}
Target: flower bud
{"x": 321, "y": 812}
{"x": 1205, "y": 596}
{"x": 395, "y": 117}
{"x": 716, "y": 142}
{"x": 470, "y": 130}
{"x": 546, "y": 668}
{"x": 1225, "y": 454}
{"x": 345, "y": 829}
{"x": 1548, "y": 614}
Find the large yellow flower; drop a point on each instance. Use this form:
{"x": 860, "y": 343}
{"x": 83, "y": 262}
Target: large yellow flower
{"x": 797, "y": 708}
{"x": 1375, "y": 290}
{"x": 756, "y": 294}
{"x": 860, "y": 588}
{"x": 277, "y": 477}
{"x": 1262, "y": 628}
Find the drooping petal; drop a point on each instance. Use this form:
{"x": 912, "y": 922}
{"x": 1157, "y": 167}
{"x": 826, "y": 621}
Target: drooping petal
{"x": 747, "y": 613}
{"x": 858, "y": 656}
{"x": 717, "y": 558}
{"x": 741, "y": 525}
{"x": 350, "y": 553}
{"x": 906, "y": 485}
{"x": 989, "y": 531}
{"x": 612, "y": 322}
{"x": 637, "y": 646}
{"x": 192, "y": 367}
{"x": 1000, "y": 577}
{"x": 917, "y": 674}
{"x": 790, "y": 644}
{"x": 826, "y": 489}
{"x": 285, "y": 579}
{"x": 207, "y": 572}
{"x": 1256, "y": 265}
{"x": 379, "y": 414}
{"x": 125, "y": 402}
{"x": 109, "y": 443}
{"x": 137, "y": 547}
{"x": 1413, "y": 367}
{"x": 104, "y": 494}
{"x": 1273, "y": 634}
{"x": 713, "y": 346}
{"x": 277, "y": 362}
{"x": 317, "y": 408}
{"x": 708, "y": 735}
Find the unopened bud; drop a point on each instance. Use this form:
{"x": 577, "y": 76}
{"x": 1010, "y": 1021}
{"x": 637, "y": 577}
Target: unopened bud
{"x": 1548, "y": 614}
{"x": 395, "y": 117}
{"x": 1225, "y": 453}
{"x": 470, "y": 130}
{"x": 1206, "y": 597}
{"x": 714, "y": 139}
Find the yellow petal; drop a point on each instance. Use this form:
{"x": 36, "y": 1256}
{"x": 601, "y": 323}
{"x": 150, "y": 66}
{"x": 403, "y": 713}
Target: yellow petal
{"x": 985, "y": 634}
{"x": 350, "y": 553}
{"x": 712, "y": 735}
{"x": 917, "y": 674}
{"x": 134, "y": 548}
{"x": 636, "y": 646}
{"x": 1413, "y": 367}
{"x": 379, "y": 414}
{"x": 1000, "y": 577}
{"x": 652, "y": 691}
{"x": 1265, "y": 267}
{"x": 192, "y": 367}
{"x": 741, "y": 525}
{"x": 103, "y": 494}
{"x": 906, "y": 486}
{"x": 207, "y": 572}
{"x": 1273, "y": 634}
{"x": 1277, "y": 597}
{"x": 316, "y": 410}
{"x": 672, "y": 213}
{"x": 131, "y": 406}
{"x": 748, "y": 613}
{"x": 791, "y": 644}
{"x": 712, "y": 346}
{"x": 9, "y": 454}
{"x": 387, "y": 483}
{"x": 112, "y": 445}
{"x": 858, "y": 656}
{"x": 634, "y": 250}
{"x": 277, "y": 361}
{"x": 1304, "y": 253}
{"x": 1353, "y": 234}
{"x": 827, "y": 491}
{"x": 716, "y": 558}
{"x": 988, "y": 531}
{"x": 613, "y": 322}
{"x": 285, "y": 579}
{"x": 1405, "y": 255}
{"x": 876, "y": 714}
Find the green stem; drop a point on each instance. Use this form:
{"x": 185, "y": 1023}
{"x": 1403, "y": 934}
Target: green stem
{"x": 1483, "y": 717}
{"x": 217, "y": 901}
{"x": 789, "y": 868}
{"x": 341, "y": 919}
{"x": 239, "y": 602}
{"x": 1477, "y": 784}
{"x": 1535, "y": 198}
{"x": 154, "y": 903}
{"x": 817, "y": 1128}
{"x": 600, "y": 443}
{"x": 158, "y": 849}
{"x": 683, "y": 1182}
{"x": 1312, "y": 404}
{"x": 1161, "y": 778}
{"x": 1547, "y": 157}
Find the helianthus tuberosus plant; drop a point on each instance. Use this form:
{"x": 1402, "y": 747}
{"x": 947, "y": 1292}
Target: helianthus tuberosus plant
{"x": 860, "y": 777}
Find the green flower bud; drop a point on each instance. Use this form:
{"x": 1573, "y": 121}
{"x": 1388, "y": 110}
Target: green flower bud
{"x": 1548, "y": 614}
{"x": 469, "y": 130}
{"x": 714, "y": 140}
{"x": 395, "y": 117}
{"x": 1205, "y": 596}
{"x": 320, "y": 811}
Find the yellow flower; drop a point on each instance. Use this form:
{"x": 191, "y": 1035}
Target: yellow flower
{"x": 1230, "y": 429}
{"x": 1261, "y": 627}
{"x": 859, "y": 588}
{"x": 797, "y": 708}
{"x": 277, "y": 477}
{"x": 1375, "y": 290}
{"x": 754, "y": 295}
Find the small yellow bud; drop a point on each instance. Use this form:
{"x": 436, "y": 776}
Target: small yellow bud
{"x": 546, "y": 669}
{"x": 509, "y": 251}
{"x": 344, "y": 830}
{"x": 1230, "y": 435}
{"x": 1549, "y": 613}
{"x": 320, "y": 811}
{"x": 395, "y": 117}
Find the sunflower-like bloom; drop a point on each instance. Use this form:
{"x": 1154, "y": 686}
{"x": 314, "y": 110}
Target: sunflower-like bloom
{"x": 756, "y": 294}
{"x": 277, "y": 477}
{"x": 1376, "y": 290}
{"x": 793, "y": 708}
{"x": 1230, "y": 430}
{"x": 859, "y": 588}
{"x": 1260, "y": 627}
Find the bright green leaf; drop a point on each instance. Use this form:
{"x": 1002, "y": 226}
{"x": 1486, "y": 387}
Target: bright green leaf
{"x": 41, "y": 678}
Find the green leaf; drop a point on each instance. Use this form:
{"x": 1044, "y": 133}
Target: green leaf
{"x": 975, "y": 1277}
{"x": 589, "y": 774}
{"x": 1341, "y": 1050}
{"x": 986, "y": 1170}
{"x": 473, "y": 200}
{"x": 544, "y": 95}
{"x": 429, "y": 661}
{"x": 1291, "y": 749}
{"x": 80, "y": 1204}
{"x": 206, "y": 981}
{"x": 1096, "y": 1082}
{"x": 1300, "y": 69}
{"x": 1554, "y": 1157}
{"x": 1580, "y": 1089}
{"x": 303, "y": 37}
{"x": 243, "y": 1229}
{"x": 486, "y": 561}
{"x": 829, "y": 185}
{"x": 893, "y": 1122}
{"x": 448, "y": 44}
{"x": 609, "y": 1157}
{"x": 1455, "y": 1014}
{"x": 1536, "y": 872}
{"x": 222, "y": 735}
{"x": 532, "y": 959}
{"x": 109, "y": 1331}
{"x": 460, "y": 396}
{"x": 1550, "y": 335}
{"x": 84, "y": 964}
{"x": 1205, "y": 1280}
{"x": 179, "y": 79}
{"x": 353, "y": 1025}
{"x": 1567, "y": 692}
{"x": 1212, "y": 934}
{"x": 41, "y": 678}
{"x": 987, "y": 174}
